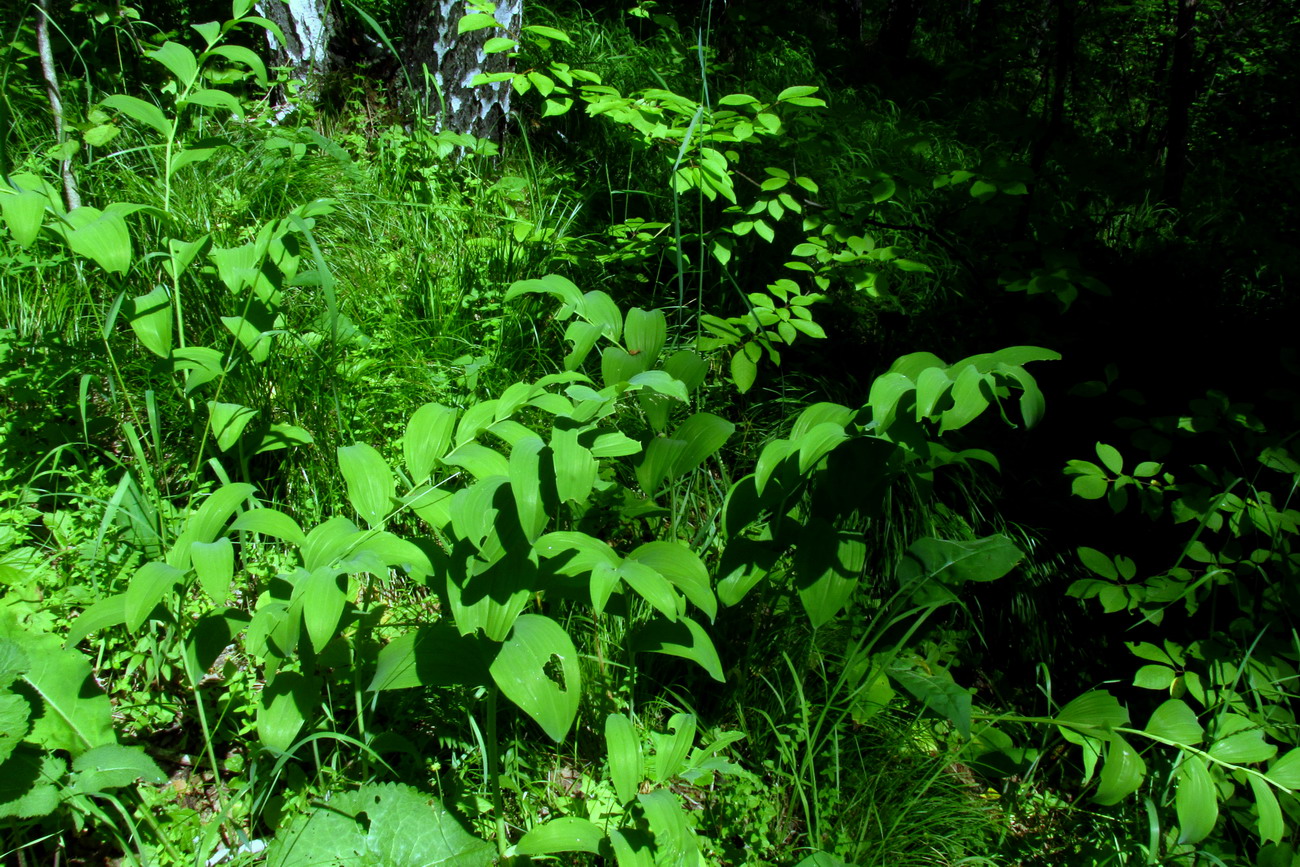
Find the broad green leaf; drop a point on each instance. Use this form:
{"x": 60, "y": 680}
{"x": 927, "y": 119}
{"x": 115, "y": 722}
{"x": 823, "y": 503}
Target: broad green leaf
{"x": 1243, "y": 748}
{"x": 1155, "y": 677}
{"x": 246, "y": 56}
{"x": 623, "y": 752}
{"x": 371, "y": 487}
{"x": 15, "y": 722}
{"x": 1098, "y": 563}
{"x": 817, "y": 443}
{"x": 1110, "y": 457}
{"x": 575, "y": 468}
{"x": 645, "y": 333}
{"x": 537, "y": 669}
{"x": 285, "y": 705}
{"x": 1095, "y": 713}
{"x": 1175, "y": 721}
{"x": 1122, "y": 773}
{"x": 428, "y": 436}
{"x": 151, "y": 319}
{"x": 327, "y": 541}
{"x": 650, "y": 586}
{"x": 671, "y": 750}
{"x": 526, "y": 484}
{"x": 683, "y": 567}
{"x": 1270, "y": 824}
{"x": 561, "y": 834}
{"x": 1195, "y": 800}
{"x": 617, "y": 366}
{"x": 179, "y": 60}
{"x": 675, "y": 842}
{"x": 744, "y": 368}
{"x": 478, "y": 460}
{"x": 583, "y": 336}
{"x": 939, "y": 693}
{"x": 270, "y": 522}
{"x": 827, "y": 564}
{"x": 228, "y": 421}
{"x": 379, "y": 825}
{"x": 1286, "y": 770}
{"x": 683, "y": 637}
{"x": 702, "y": 434}
{"x": 215, "y": 98}
{"x": 322, "y": 605}
{"x": 150, "y": 584}
{"x": 139, "y": 110}
{"x": 214, "y": 563}
{"x": 933, "y": 568}
{"x": 109, "y": 611}
{"x": 661, "y": 382}
{"x": 436, "y": 655}
{"x": 24, "y": 214}
{"x": 112, "y": 766}
{"x": 588, "y": 550}
{"x": 283, "y": 435}
{"x": 552, "y": 284}
{"x": 969, "y": 400}
{"x": 475, "y": 21}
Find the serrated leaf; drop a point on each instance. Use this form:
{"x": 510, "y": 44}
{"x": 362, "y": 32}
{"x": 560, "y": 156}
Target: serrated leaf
{"x": 75, "y": 713}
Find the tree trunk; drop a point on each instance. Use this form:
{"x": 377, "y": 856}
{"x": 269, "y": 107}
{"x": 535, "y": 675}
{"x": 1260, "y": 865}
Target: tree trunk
{"x": 308, "y": 28}
{"x": 443, "y": 64}
{"x": 1182, "y": 90}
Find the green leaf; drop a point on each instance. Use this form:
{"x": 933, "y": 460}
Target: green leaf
{"x": 526, "y": 665}
{"x": 1155, "y": 677}
{"x": 371, "y": 487}
{"x": 152, "y": 581}
{"x": 827, "y": 566}
{"x": 428, "y": 436}
{"x": 684, "y": 638}
{"x": 75, "y": 714}
{"x": 526, "y": 484}
{"x": 1095, "y": 713}
{"x": 436, "y": 655}
{"x": 214, "y": 98}
{"x": 270, "y": 522}
{"x": 1286, "y": 770}
{"x": 322, "y": 603}
{"x": 179, "y": 60}
{"x": 623, "y": 752}
{"x": 282, "y": 435}
{"x": 670, "y": 750}
{"x": 228, "y": 422}
{"x": 1195, "y": 800}
{"x": 1122, "y": 774}
{"x": 1243, "y": 747}
{"x": 379, "y": 825}
{"x": 24, "y": 214}
{"x": 1111, "y": 458}
{"x": 285, "y": 705}
{"x": 214, "y": 563}
{"x": 112, "y": 766}
{"x": 15, "y": 712}
{"x": 246, "y": 56}
{"x": 151, "y": 319}
{"x": 1175, "y": 721}
{"x": 561, "y": 834}
{"x": 139, "y": 110}
{"x": 109, "y": 611}
{"x": 548, "y": 32}
{"x": 475, "y": 21}
{"x": 102, "y": 237}
{"x": 940, "y": 694}
{"x": 683, "y": 567}
{"x": 1271, "y": 826}
{"x": 575, "y": 468}
{"x": 796, "y": 91}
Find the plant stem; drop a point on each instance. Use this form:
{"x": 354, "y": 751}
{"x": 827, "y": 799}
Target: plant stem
{"x": 494, "y": 775}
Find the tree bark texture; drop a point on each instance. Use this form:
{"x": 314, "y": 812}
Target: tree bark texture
{"x": 1182, "y": 90}
{"x": 308, "y": 28}
{"x": 442, "y": 64}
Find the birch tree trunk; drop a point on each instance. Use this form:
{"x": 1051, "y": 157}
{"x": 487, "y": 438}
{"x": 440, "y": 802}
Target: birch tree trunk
{"x": 308, "y": 27}
{"x": 442, "y": 64}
